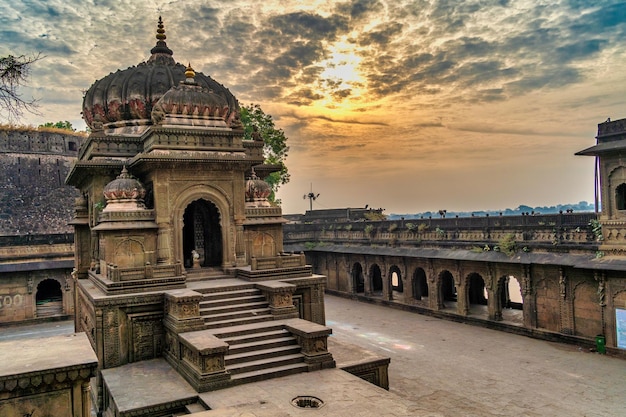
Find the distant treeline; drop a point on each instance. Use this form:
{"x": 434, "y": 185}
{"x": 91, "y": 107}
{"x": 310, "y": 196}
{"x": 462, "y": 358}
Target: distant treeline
{"x": 580, "y": 207}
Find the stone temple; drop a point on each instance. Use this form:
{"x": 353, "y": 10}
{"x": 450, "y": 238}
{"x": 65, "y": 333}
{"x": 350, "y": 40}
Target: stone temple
{"x": 182, "y": 286}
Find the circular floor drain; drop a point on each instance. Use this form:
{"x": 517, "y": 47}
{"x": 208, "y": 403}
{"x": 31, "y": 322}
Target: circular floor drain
{"x": 308, "y": 402}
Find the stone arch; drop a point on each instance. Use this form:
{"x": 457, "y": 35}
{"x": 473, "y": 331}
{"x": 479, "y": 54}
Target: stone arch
{"x": 548, "y": 304}
{"x": 376, "y": 279}
{"x": 419, "y": 284}
{"x": 215, "y": 197}
{"x": 587, "y": 309}
{"x": 130, "y": 253}
{"x": 49, "y": 298}
{"x": 447, "y": 287}
{"x": 476, "y": 293}
{"x": 263, "y": 245}
{"x": 395, "y": 279}
{"x": 617, "y": 190}
{"x": 509, "y": 292}
{"x": 358, "y": 281}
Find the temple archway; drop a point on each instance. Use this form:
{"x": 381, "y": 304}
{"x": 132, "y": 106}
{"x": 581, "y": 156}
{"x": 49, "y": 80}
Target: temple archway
{"x": 49, "y": 298}
{"x": 358, "y": 281}
{"x": 376, "y": 279}
{"x": 447, "y": 288}
{"x": 419, "y": 284}
{"x": 202, "y": 232}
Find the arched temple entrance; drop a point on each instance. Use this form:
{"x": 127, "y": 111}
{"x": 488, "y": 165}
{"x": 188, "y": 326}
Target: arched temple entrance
{"x": 448, "y": 294}
{"x": 419, "y": 284}
{"x": 358, "y": 280}
{"x": 376, "y": 279}
{"x": 202, "y": 232}
{"x": 49, "y": 298}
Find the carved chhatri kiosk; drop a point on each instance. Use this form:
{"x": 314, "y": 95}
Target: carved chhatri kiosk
{"x": 178, "y": 253}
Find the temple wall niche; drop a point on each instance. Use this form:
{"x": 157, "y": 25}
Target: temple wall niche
{"x": 587, "y": 310}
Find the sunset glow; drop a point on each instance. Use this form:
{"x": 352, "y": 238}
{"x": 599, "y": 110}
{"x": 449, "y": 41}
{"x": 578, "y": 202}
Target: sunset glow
{"x": 408, "y": 105}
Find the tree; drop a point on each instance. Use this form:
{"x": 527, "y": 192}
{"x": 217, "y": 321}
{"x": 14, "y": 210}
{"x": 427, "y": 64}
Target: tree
{"x": 14, "y": 71}
{"x": 275, "y": 149}
{"x": 59, "y": 125}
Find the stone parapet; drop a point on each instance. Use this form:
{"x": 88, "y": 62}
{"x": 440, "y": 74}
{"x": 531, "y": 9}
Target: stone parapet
{"x": 280, "y": 297}
{"x": 201, "y": 360}
{"x": 313, "y": 338}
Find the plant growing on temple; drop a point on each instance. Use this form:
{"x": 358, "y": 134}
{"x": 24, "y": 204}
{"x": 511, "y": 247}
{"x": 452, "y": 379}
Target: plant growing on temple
{"x": 65, "y": 125}
{"x": 256, "y": 122}
{"x": 393, "y": 227}
{"x": 596, "y": 229}
{"x": 369, "y": 229}
{"x": 14, "y": 72}
{"x": 422, "y": 227}
{"x": 507, "y": 244}
{"x": 411, "y": 227}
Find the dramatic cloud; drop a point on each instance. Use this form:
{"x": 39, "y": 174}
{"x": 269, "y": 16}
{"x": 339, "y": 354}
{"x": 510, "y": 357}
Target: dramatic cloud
{"x": 422, "y": 96}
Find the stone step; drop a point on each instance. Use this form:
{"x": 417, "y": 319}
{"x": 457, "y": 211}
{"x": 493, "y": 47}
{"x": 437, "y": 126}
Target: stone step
{"x": 264, "y": 363}
{"x": 260, "y": 345}
{"x": 215, "y": 293}
{"x": 255, "y": 337}
{"x": 259, "y": 318}
{"x": 209, "y": 316}
{"x": 207, "y": 310}
{"x": 263, "y": 374}
{"x": 233, "y": 300}
{"x": 248, "y": 329}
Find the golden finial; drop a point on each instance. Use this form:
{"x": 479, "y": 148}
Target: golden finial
{"x": 189, "y": 72}
{"x": 160, "y": 31}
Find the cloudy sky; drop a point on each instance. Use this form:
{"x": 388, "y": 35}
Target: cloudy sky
{"x": 408, "y": 105}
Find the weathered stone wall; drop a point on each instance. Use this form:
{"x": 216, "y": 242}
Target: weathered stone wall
{"x": 33, "y": 196}
{"x": 36, "y": 242}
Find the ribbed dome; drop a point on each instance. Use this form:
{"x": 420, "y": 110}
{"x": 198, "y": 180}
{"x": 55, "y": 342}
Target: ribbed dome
{"x": 128, "y": 96}
{"x": 257, "y": 191}
{"x": 124, "y": 188}
{"x": 190, "y": 104}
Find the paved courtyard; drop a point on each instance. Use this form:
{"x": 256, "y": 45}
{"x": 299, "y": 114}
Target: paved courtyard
{"x": 445, "y": 368}
{"x": 453, "y": 369}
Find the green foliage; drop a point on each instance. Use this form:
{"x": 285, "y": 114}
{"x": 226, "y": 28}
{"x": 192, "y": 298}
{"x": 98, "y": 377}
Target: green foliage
{"x": 411, "y": 227}
{"x": 59, "y": 125}
{"x": 348, "y": 227}
{"x": 310, "y": 245}
{"x": 375, "y": 215}
{"x": 369, "y": 229}
{"x": 596, "y": 229}
{"x": 507, "y": 244}
{"x": 440, "y": 232}
{"x": 275, "y": 148}
{"x": 393, "y": 227}
{"x": 422, "y": 227}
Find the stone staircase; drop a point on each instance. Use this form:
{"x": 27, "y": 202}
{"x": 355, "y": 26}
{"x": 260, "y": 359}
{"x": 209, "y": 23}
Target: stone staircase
{"x": 234, "y": 307}
{"x": 259, "y": 347}
{"x": 261, "y": 351}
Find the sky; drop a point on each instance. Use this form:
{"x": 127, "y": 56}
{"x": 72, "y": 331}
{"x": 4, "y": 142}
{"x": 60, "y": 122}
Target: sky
{"x": 406, "y": 105}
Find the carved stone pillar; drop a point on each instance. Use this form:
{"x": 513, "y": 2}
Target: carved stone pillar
{"x": 240, "y": 244}
{"x": 529, "y": 301}
{"x": 280, "y": 297}
{"x": 164, "y": 244}
{"x": 313, "y": 338}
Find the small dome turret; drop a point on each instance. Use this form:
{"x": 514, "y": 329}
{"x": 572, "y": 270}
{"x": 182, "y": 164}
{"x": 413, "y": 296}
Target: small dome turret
{"x": 257, "y": 192}
{"x": 124, "y": 193}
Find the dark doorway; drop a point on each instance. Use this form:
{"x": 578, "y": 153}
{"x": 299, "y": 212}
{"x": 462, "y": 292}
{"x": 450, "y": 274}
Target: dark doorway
{"x": 395, "y": 277}
{"x": 377, "y": 279}
{"x": 202, "y": 232}
{"x": 477, "y": 290}
{"x": 49, "y": 298}
{"x": 420, "y": 285}
{"x": 448, "y": 289}
{"x": 357, "y": 278}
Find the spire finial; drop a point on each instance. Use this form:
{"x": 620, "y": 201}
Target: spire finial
{"x": 161, "y": 46}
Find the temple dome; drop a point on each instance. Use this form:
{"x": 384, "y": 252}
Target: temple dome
{"x": 127, "y": 97}
{"x": 191, "y": 104}
{"x": 123, "y": 193}
{"x": 257, "y": 191}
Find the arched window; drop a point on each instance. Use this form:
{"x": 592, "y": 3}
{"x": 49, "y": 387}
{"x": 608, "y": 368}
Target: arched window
{"x": 620, "y": 196}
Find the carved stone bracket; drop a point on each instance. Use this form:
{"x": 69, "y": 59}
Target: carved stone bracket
{"x": 280, "y": 296}
{"x": 182, "y": 310}
{"x": 201, "y": 360}
{"x": 313, "y": 338}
